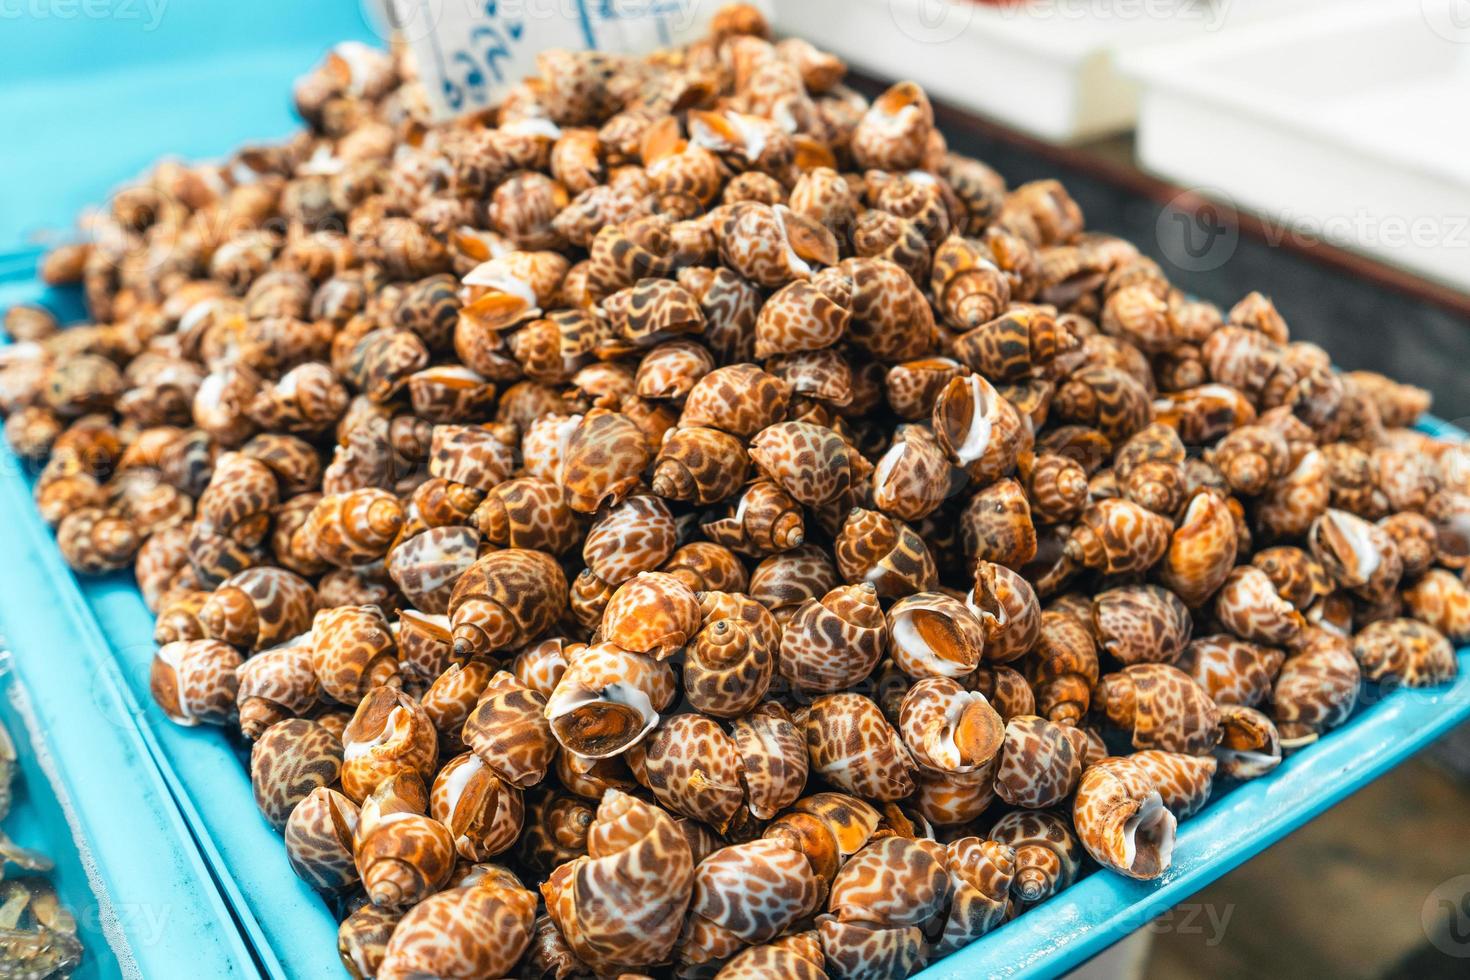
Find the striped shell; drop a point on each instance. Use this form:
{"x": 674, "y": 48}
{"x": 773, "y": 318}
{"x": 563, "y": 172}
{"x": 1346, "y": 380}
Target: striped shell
{"x": 740, "y": 399}
{"x": 318, "y": 838}
{"x": 402, "y": 855}
{"x": 355, "y": 528}
{"x": 276, "y": 684}
{"x": 981, "y": 873}
{"x": 636, "y": 535}
{"x": 1316, "y": 688}
{"x": 426, "y": 566}
{"x": 1405, "y": 651}
{"x": 700, "y": 465}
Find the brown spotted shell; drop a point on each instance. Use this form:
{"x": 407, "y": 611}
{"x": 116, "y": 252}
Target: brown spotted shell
{"x": 1048, "y": 857}
{"x": 996, "y": 526}
{"x": 1008, "y": 609}
{"x": 276, "y": 684}
{"x": 853, "y": 747}
{"x": 894, "y": 133}
{"x": 740, "y": 399}
{"x": 426, "y": 566}
{"x": 887, "y": 554}
{"x": 1138, "y": 624}
{"x": 1404, "y": 651}
{"x": 258, "y": 608}
{"x": 692, "y": 767}
{"x": 705, "y": 566}
{"x": 1183, "y": 781}
{"x": 636, "y": 535}
{"x": 1064, "y": 668}
{"x": 479, "y": 929}
{"x": 773, "y": 759}
{"x": 746, "y": 894}
{"x": 1232, "y": 671}
{"x": 1121, "y": 819}
{"x": 834, "y": 642}
{"x": 700, "y": 465}
{"x": 1361, "y": 557}
{"x": 402, "y": 856}
{"x": 1249, "y": 605}
{"x": 607, "y": 700}
{"x": 810, "y": 462}
{"x": 1251, "y": 745}
{"x": 353, "y": 651}
{"x": 728, "y": 665}
{"x": 932, "y": 634}
{"x": 1161, "y": 707}
{"x": 509, "y": 731}
{"x": 318, "y": 837}
{"x": 979, "y": 430}
{"x": 355, "y": 528}
{"x": 1316, "y": 688}
{"x": 892, "y": 882}
{"x": 504, "y": 599}
{"x": 949, "y": 729}
{"x": 194, "y": 681}
{"x": 481, "y": 810}
{"x": 1442, "y": 601}
{"x": 763, "y": 520}
{"x": 527, "y": 513}
{"x": 603, "y": 461}
{"x": 1040, "y": 762}
{"x": 472, "y": 455}
{"x": 623, "y": 903}
{"x": 1201, "y": 550}
{"x": 289, "y": 761}
{"x": 390, "y": 734}
{"x": 1116, "y": 536}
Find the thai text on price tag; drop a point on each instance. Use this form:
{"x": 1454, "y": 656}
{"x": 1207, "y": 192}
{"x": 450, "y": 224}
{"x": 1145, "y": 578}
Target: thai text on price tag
{"x": 471, "y": 52}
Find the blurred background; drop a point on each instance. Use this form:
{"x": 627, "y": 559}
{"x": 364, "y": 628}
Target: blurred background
{"x": 1315, "y": 150}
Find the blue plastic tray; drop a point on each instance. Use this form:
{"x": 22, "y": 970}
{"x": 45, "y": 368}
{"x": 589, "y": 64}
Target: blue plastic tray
{"x": 166, "y": 813}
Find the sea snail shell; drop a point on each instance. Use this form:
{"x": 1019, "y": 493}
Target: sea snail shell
{"x": 1121, "y": 819}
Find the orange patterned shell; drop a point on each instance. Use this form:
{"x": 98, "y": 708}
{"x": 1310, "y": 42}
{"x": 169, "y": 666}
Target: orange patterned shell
{"x": 623, "y": 903}
{"x": 504, "y": 599}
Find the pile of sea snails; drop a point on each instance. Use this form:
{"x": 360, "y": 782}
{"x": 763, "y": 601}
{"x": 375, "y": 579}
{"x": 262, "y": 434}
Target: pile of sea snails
{"x": 687, "y": 522}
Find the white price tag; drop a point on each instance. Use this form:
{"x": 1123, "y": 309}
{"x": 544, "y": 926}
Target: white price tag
{"x": 470, "y": 52}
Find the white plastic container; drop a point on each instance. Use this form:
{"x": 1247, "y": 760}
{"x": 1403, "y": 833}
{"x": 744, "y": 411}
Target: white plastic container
{"x": 1350, "y": 129}
{"x": 1047, "y": 67}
